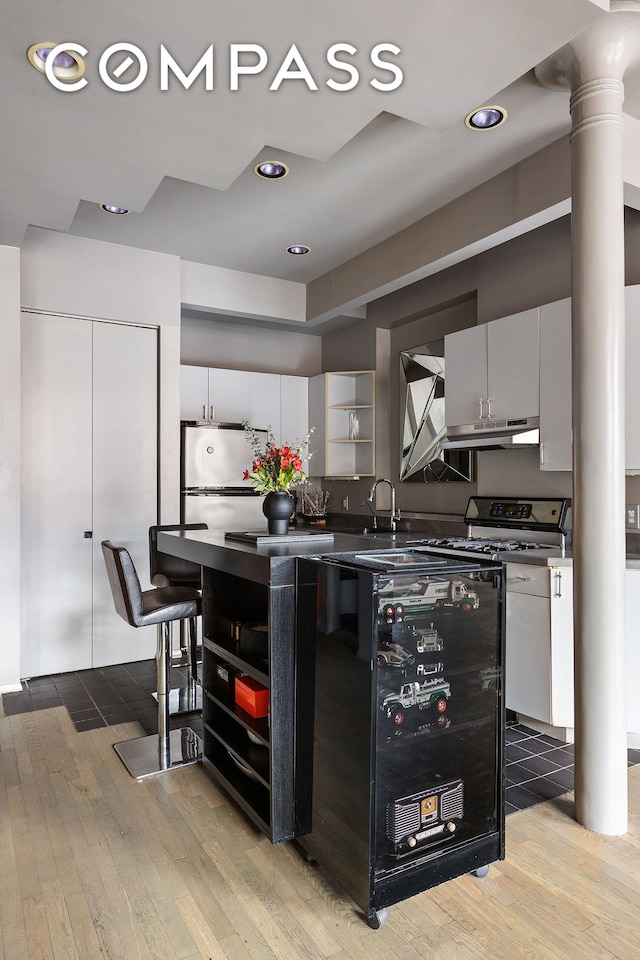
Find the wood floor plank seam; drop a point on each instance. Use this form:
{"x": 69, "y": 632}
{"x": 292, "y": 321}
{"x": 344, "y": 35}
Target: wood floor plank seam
{"x": 96, "y": 866}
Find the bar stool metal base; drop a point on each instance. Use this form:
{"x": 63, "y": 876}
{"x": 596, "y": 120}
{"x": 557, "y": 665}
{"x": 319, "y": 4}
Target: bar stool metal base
{"x": 183, "y": 700}
{"x": 145, "y": 756}
{"x": 188, "y": 698}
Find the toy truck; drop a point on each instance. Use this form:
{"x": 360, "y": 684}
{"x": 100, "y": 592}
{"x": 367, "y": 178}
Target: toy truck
{"x": 434, "y": 593}
{"x": 425, "y": 694}
{"x": 428, "y": 640}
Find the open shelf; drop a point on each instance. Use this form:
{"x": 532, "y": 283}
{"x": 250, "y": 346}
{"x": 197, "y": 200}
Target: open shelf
{"x": 250, "y": 795}
{"x": 258, "y": 726}
{"x": 253, "y": 666}
{"x": 342, "y": 408}
{"x": 251, "y": 757}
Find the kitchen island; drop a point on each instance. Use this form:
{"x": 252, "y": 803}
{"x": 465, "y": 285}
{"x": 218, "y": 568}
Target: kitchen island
{"x": 249, "y": 631}
{"x": 376, "y": 734}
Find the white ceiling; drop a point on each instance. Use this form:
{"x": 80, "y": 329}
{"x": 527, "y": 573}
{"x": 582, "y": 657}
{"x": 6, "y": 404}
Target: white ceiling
{"x": 364, "y": 164}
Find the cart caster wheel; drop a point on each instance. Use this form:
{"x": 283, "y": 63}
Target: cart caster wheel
{"x": 481, "y": 871}
{"x": 304, "y": 853}
{"x": 378, "y": 918}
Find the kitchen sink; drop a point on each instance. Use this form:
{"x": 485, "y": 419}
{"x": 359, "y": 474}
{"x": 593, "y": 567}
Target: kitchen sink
{"x": 369, "y": 532}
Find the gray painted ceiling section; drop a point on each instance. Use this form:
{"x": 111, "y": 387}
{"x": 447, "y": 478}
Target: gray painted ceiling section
{"x": 384, "y": 187}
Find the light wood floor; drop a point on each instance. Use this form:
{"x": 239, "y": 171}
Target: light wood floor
{"x": 96, "y": 865}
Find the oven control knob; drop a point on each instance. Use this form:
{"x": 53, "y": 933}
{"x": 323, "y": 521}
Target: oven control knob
{"x": 451, "y": 827}
{"x": 412, "y": 841}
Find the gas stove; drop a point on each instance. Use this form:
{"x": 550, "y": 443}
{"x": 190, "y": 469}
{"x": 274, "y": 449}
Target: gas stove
{"x": 504, "y": 525}
{"x": 477, "y": 545}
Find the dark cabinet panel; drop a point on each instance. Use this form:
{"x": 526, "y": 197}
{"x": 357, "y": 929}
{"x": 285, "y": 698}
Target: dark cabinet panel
{"x": 406, "y": 743}
{"x": 248, "y": 631}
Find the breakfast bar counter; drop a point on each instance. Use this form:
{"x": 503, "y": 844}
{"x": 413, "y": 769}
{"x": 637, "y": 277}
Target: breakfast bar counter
{"x": 249, "y": 663}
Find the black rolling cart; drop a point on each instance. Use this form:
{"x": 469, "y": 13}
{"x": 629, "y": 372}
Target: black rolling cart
{"x": 399, "y": 764}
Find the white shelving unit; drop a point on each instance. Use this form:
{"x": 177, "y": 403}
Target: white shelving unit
{"x": 342, "y": 406}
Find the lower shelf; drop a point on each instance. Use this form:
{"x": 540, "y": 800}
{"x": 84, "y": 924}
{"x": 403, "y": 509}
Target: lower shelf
{"x": 250, "y": 757}
{"x": 248, "y": 792}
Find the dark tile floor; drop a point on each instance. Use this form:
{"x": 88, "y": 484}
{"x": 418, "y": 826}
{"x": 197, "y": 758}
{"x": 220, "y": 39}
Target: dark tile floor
{"x": 101, "y": 697}
{"x": 537, "y": 766}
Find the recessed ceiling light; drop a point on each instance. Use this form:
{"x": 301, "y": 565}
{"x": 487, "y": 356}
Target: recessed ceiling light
{"x": 271, "y": 170}
{"x": 118, "y": 211}
{"x": 66, "y": 66}
{"x": 297, "y": 249}
{"x": 486, "y": 118}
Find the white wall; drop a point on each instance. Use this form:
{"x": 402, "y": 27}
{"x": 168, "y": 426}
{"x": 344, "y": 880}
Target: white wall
{"x": 10, "y": 467}
{"x": 61, "y": 274}
{"x": 237, "y": 346}
{"x": 217, "y": 289}
{"x": 89, "y": 278}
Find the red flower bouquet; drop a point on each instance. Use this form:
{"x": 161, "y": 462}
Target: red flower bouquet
{"x": 275, "y": 469}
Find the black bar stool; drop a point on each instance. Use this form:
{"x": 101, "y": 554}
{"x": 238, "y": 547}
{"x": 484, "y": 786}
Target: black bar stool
{"x": 145, "y": 756}
{"x": 168, "y": 571}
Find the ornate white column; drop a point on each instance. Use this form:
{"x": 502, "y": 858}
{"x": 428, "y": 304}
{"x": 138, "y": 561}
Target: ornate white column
{"x": 592, "y": 66}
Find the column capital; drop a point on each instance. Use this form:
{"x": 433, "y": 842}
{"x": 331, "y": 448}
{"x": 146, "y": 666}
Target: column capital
{"x": 609, "y": 47}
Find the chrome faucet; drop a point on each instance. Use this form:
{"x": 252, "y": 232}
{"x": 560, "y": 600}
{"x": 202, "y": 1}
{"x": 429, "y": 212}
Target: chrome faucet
{"x": 370, "y": 502}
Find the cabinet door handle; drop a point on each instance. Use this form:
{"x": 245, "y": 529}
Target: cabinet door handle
{"x": 204, "y": 411}
{"x": 542, "y": 462}
{"x": 489, "y": 412}
{"x": 520, "y": 579}
{"x": 558, "y": 576}
{"x": 212, "y": 411}
{"x": 482, "y": 403}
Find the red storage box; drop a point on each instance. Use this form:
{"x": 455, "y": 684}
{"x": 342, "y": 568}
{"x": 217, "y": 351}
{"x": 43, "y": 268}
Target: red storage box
{"x": 252, "y": 696}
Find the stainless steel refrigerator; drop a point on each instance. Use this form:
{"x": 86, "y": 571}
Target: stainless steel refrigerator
{"x": 213, "y": 460}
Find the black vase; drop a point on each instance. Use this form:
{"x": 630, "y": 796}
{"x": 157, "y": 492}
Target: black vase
{"x": 277, "y": 508}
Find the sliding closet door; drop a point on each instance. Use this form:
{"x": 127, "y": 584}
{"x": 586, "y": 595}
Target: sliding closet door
{"x": 56, "y": 505}
{"x": 89, "y": 473}
{"x": 125, "y": 475}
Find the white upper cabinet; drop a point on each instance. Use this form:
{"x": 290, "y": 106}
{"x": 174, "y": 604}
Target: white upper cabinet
{"x": 465, "y": 361}
{"x": 294, "y": 409}
{"x": 209, "y": 393}
{"x": 555, "y": 384}
{"x": 264, "y": 402}
{"x": 492, "y": 370}
{"x": 194, "y": 393}
{"x": 231, "y": 396}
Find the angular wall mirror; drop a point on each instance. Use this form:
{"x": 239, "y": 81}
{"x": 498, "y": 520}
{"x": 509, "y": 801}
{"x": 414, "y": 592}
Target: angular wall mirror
{"x": 422, "y": 377}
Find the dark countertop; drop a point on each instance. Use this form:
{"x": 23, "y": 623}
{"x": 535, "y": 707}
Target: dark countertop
{"x": 271, "y": 563}
{"x": 265, "y": 563}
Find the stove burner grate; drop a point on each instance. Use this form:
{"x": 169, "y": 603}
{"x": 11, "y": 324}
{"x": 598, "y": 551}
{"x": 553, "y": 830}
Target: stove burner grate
{"x": 471, "y": 544}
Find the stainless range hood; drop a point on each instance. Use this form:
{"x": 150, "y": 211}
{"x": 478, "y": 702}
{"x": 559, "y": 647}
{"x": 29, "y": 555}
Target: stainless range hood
{"x": 494, "y": 435}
